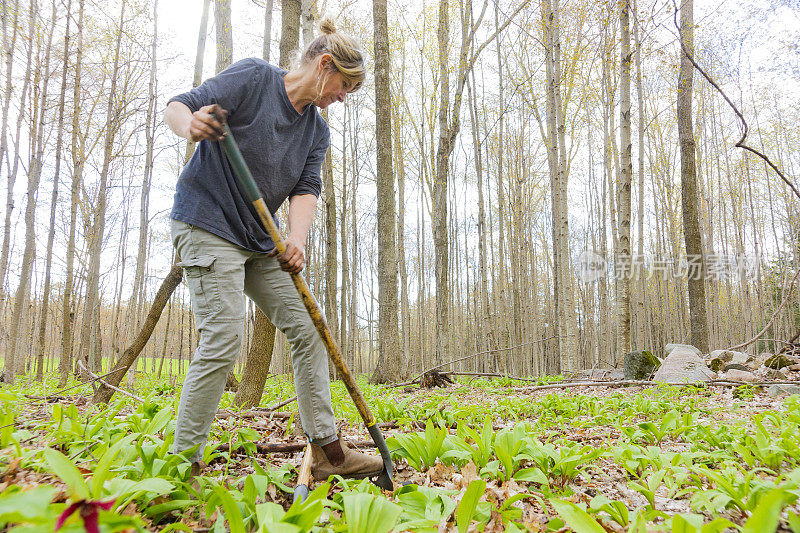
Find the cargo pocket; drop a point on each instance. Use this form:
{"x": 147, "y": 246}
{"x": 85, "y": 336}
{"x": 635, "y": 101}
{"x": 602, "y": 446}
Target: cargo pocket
{"x": 203, "y": 285}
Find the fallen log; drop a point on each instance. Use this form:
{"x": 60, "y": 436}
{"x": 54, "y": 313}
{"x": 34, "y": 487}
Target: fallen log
{"x": 629, "y": 383}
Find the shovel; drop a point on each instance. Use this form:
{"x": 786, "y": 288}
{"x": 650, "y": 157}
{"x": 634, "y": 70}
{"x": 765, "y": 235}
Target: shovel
{"x": 303, "y": 478}
{"x": 384, "y": 479}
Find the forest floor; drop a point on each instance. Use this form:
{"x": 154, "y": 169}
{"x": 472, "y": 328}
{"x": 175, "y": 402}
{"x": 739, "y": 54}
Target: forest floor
{"x": 479, "y": 455}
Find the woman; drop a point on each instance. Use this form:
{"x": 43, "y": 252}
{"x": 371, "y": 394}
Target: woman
{"x": 226, "y": 252}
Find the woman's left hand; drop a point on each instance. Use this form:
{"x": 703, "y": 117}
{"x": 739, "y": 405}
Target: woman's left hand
{"x": 293, "y": 260}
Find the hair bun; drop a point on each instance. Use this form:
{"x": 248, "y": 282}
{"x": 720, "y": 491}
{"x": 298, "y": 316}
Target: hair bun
{"x": 327, "y": 26}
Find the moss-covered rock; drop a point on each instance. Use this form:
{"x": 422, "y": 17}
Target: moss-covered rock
{"x": 640, "y": 364}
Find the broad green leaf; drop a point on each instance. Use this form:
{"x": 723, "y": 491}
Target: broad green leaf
{"x": 172, "y": 505}
{"x": 231, "y": 508}
{"x": 794, "y": 521}
{"x": 366, "y": 513}
{"x": 177, "y": 526}
{"x": 104, "y": 465}
{"x": 531, "y": 475}
{"x": 767, "y": 513}
{"x": 305, "y": 514}
{"x": 578, "y": 519}
{"x": 685, "y": 523}
{"x": 25, "y": 505}
{"x": 62, "y": 467}
{"x": 469, "y": 502}
{"x": 269, "y": 512}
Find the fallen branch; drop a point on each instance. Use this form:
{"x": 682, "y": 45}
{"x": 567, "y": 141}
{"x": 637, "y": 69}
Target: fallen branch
{"x": 275, "y": 407}
{"x": 629, "y": 383}
{"x": 774, "y": 316}
{"x": 131, "y": 353}
{"x": 222, "y": 414}
{"x": 491, "y": 375}
{"x": 109, "y": 385}
{"x": 416, "y": 379}
{"x": 286, "y": 447}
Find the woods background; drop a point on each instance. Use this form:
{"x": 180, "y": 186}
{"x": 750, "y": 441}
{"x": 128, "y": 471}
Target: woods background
{"x": 501, "y": 152}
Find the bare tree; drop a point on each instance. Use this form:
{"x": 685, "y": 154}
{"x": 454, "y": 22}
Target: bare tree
{"x": 267, "y": 30}
{"x": 557, "y": 161}
{"x": 144, "y": 199}
{"x": 690, "y": 199}
{"x": 67, "y": 315}
{"x": 198, "y": 65}
{"x": 390, "y": 362}
{"x": 12, "y": 364}
{"x": 449, "y": 121}
{"x": 8, "y": 48}
{"x": 222, "y": 20}
{"x": 90, "y": 338}
{"x": 53, "y": 198}
{"x": 290, "y": 32}
{"x": 623, "y": 262}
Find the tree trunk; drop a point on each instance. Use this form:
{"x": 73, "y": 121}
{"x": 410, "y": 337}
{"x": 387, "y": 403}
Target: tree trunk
{"x": 12, "y": 363}
{"x": 307, "y": 21}
{"x": 138, "y": 297}
{"x": 267, "y": 30}
{"x": 67, "y": 314}
{"x": 689, "y": 197}
{"x": 500, "y": 288}
{"x": 331, "y": 266}
{"x": 256, "y": 368}
{"x": 642, "y": 283}
{"x": 131, "y": 353}
{"x": 441, "y": 241}
{"x": 623, "y": 261}
{"x": 405, "y": 312}
{"x": 562, "y": 287}
{"x": 198, "y": 65}
{"x": 222, "y": 20}
{"x": 53, "y": 201}
{"x": 8, "y": 48}
{"x": 390, "y": 359}
{"x": 90, "y": 331}
{"x": 290, "y": 32}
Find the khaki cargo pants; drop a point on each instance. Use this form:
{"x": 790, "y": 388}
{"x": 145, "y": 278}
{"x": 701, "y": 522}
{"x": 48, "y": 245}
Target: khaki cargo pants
{"x": 218, "y": 274}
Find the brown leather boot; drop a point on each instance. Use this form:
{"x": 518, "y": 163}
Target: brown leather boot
{"x": 338, "y": 458}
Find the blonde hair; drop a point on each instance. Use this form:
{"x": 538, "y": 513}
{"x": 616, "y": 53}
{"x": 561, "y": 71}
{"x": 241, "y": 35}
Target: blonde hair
{"x": 345, "y": 53}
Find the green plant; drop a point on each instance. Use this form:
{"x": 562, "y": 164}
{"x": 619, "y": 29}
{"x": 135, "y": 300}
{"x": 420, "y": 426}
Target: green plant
{"x": 368, "y": 513}
{"x": 424, "y": 508}
{"x": 420, "y": 449}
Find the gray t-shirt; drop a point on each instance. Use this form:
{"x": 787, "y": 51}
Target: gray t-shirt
{"x": 283, "y": 148}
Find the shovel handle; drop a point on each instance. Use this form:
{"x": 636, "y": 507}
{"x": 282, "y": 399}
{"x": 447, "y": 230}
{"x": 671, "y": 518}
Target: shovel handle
{"x": 304, "y": 477}
{"x": 315, "y": 312}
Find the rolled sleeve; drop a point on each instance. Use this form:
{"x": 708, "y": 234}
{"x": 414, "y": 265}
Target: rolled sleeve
{"x": 227, "y": 89}
{"x": 310, "y": 180}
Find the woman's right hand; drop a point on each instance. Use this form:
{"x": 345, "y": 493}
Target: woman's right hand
{"x": 206, "y": 124}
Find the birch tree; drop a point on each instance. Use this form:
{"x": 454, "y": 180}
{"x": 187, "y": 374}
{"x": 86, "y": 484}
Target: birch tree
{"x": 623, "y": 262}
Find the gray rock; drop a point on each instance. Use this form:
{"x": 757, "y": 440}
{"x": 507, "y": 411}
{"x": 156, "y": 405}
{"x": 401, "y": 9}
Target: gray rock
{"x": 735, "y": 366}
{"x": 774, "y": 375}
{"x": 672, "y": 346}
{"x": 726, "y": 356}
{"x": 716, "y": 364}
{"x": 778, "y": 361}
{"x": 640, "y": 364}
{"x": 778, "y": 390}
{"x": 740, "y": 375}
{"x": 616, "y": 374}
{"x": 683, "y": 365}
{"x": 730, "y": 356}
